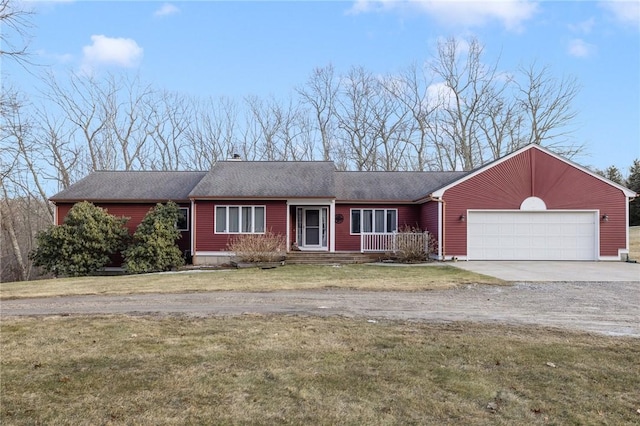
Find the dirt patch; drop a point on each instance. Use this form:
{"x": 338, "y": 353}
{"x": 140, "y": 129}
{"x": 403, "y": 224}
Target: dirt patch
{"x": 603, "y": 307}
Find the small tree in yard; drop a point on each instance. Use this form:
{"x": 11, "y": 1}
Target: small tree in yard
{"x": 154, "y": 242}
{"x": 82, "y": 244}
{"x": 258, "y": 248}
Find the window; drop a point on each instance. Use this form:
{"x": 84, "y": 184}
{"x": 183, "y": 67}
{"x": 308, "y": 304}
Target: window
{"x": 183, "y": 219}
{"x": 374, "y": 220}
{"x": 355, "y": 221}
{"x": 239, "y": 219}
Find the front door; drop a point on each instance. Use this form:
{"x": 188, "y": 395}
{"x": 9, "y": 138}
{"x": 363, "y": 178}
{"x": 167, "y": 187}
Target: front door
{"x": 312, "y": 228}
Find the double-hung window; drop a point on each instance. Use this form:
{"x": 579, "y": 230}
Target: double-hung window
{"x": 182, "y": 224}
{"x": 240, "y": 219}
{"x": 374, "y": 220}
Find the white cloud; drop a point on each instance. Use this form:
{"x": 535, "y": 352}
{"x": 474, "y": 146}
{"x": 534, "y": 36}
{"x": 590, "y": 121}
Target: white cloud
{"x": 625, "y": 11}
{"x": 59, "y": 58}
{"x": 583, "y": 27}
{"x": 166, "y": 10}
{"x": 580, "y": 48}
{"x": 439, "y": 95}
{"x": 122, "y": 52}
{"x": 471, "y": 13}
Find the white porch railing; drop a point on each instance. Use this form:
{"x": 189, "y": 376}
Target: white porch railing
{"x": 382, "y": 242}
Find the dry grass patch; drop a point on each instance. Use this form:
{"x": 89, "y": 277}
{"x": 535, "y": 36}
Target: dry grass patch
{"x": 634, "y": 243}
{"x": 299, "y": 370}
{"x": 290, "y": 277}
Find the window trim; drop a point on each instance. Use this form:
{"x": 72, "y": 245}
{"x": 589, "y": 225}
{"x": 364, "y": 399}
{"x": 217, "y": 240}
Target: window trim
{"x": 373, "y": 223}
{"x": 240, "y": 207}
{"x": 187, "y": 220}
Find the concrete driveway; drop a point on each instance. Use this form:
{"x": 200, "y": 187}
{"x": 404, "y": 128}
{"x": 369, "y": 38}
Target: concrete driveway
{"x": 531, "y": 271}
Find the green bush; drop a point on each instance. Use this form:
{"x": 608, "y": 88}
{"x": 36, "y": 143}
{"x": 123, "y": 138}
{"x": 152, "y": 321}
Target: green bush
{"x": 83, "y": 244}
{"x": 154, "y": 242}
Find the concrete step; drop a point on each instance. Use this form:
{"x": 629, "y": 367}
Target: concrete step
{"x": 320, "y": 258}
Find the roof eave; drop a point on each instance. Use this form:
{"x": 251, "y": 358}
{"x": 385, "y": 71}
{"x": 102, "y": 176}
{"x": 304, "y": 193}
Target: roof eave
{"x": 118, "y": 200}
{"x": 263, "y": 197}
{"x": 381, "y": 201}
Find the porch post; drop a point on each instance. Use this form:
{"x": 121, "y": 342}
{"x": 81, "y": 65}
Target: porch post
{"x": 440, "y": 226}
{"x": 288, "y": 227}
{"x": 192, "y": 228}
{"x": 332, "y": 226}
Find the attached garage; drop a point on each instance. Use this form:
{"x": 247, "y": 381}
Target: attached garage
{"x": 532, "y": 235}
{"x": 532, "y": 205}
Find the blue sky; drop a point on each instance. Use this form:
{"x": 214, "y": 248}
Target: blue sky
{"x": 267, "y": 48}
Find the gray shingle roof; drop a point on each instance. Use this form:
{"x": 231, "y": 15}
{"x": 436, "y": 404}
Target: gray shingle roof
{"x": 269, "y": 179}
{"x": 132, "y": 186}
{"x": 248, "y": 179}
{"x": 390, "y": 186}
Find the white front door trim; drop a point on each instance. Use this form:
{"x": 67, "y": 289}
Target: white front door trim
{"x": 302, "y": 227}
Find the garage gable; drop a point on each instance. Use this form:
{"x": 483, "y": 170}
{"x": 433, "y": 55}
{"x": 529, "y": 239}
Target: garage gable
{"x": 520, "y": 167}
{"x": 534, "y": 185}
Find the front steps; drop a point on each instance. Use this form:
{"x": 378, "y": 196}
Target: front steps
{"x": 327, "y": 258}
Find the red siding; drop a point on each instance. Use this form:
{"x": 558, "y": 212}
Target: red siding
{"x": 61, "y": 212}
{"x": 535, "y": 173}
{"x": 429, "y": 219}
{"x": 344, "y": 240}
{"x": 407, "y": 215}
{"x": 208, "y": 240}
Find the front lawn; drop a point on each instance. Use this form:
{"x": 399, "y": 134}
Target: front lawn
{"x": 634, "y": 243}
{"x": 309, "y": 370}
{"x": 290, "y": 277}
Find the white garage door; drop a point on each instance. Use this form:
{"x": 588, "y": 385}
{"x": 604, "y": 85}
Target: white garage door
{"x": 527, "y": 235}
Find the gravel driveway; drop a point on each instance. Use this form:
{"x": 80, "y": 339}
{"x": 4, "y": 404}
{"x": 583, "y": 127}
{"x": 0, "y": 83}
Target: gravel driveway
{"x": 611, "y": 308}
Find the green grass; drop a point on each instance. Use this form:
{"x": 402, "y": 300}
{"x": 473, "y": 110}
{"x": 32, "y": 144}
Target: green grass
{"x": 307, "y": 370}
{"x": 634, "y": 243}
{"x": 290, "y": 277}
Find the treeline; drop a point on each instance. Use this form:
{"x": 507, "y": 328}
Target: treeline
{"x": 454, "y": 111}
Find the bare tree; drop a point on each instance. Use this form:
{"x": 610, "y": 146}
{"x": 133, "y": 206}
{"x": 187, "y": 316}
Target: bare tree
{"x": 169, "y": 120}
{"x": 392, "y": 123}
{"x": 410, "y": 89}
{"x": 63, "y": 155}
{"x": 130, "y": 107}
{"x": 23, "y": 194}
{"x": 291, "y": 134}
{"x": 211, "y": 133}
{"x": 18, "y": 142}
{"x": 81, "y": 104}
{"x": 14, "y": 37}
{"x": 499, "y": 126}
{"x": 547, "y": 105}
{"x": 320, "y": 94}
{"x": 267, "y": 120}
{"x": 355, "y": 109}
{"x": 469, "y": 85}
{"x": 485, "y": 113}
{"x": 305, "y": 147}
